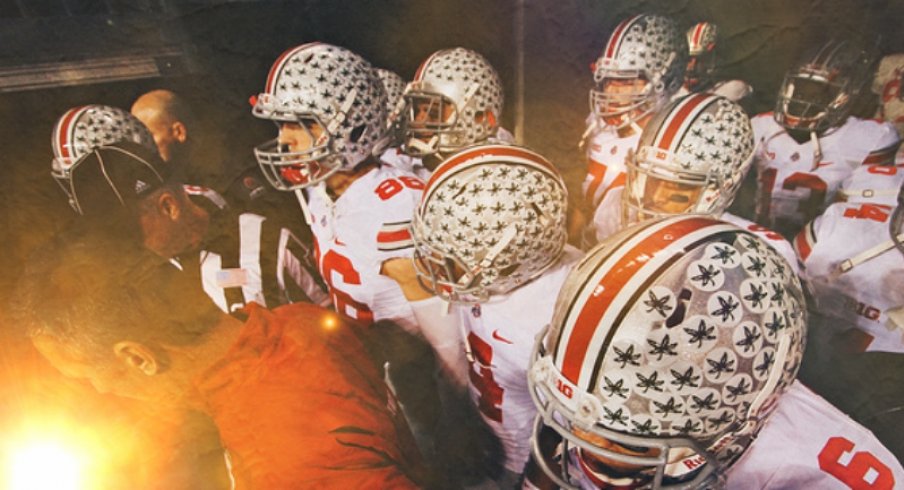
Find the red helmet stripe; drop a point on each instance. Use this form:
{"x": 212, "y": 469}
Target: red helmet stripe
{"x": 611, "y": 285}
{"x": 65, "y": 129}
{"x": 420, "y": 70}
{"x": 698, "y": 32}
{"x": 616, "y": 38}
{"x": 494, "y": 150}
{"x": 680, "y": 117}
{"x": 276, "y": 69}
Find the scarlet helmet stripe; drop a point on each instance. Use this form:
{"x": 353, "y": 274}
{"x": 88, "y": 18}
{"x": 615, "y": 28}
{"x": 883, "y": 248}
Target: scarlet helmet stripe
{"x": 276, "y": 69}
{"x": 698, "y": 31}
{"x": 63, "y": 132}
{"x": 616, "y": 38}
{"x": 419, "y": 74}
{"x": 619, "y": 280}
{"x": 481, "y": 154}
{"x": 680, "y": 118}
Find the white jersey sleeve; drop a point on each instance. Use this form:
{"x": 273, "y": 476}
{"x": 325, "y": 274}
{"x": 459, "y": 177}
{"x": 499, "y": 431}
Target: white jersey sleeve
{"x": 877, "y": 184}
{"x": 863, "y": 295}
{"x": 808, "y": 443}
{"x": 792, "y": 186}
{"x": 501, "y": 335}
{"x": 607, "y": 218}
{"x": 366, "y": 226}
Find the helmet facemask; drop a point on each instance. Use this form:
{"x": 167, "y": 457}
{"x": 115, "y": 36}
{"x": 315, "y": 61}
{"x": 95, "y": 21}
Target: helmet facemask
{"x": 656, "y": 187}
{"x": 288, "y": 170}
{"x": 430, "y": 123}
{"x": 622, "y": 97}
{"x": 812, "y": 100}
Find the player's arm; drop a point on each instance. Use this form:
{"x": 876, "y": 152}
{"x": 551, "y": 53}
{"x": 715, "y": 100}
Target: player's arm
{"x": 440, "y": 325}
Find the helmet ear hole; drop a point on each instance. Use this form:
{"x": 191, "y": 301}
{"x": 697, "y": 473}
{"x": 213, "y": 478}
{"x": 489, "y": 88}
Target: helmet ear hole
{"x": 356, "y": 133}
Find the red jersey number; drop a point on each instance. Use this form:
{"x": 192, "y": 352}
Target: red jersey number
{"x": 854, "y": 471}
{"x": 875, "y": 212}
{"x": 809, "y": 207}
{"x": 344, "y": 303}
{"x": 481, "y": 374}
{"x": 390, "y": 187}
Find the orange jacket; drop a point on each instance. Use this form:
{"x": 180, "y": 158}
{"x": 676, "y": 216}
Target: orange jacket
{"x": 299, "y": 404}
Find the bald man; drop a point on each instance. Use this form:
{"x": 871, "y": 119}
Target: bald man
{"x": 167, "y": 117}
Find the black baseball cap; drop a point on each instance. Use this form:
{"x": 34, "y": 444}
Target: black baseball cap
{"x": 113, "y": 177}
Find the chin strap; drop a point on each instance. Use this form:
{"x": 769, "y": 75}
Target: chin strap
{"x": 303, "y": 203}
{"x": 848, "y": 264}
{"x": 817, "y": 150}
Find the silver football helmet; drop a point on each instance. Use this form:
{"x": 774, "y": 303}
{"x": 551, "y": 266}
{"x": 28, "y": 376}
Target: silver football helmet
{"x": 333, "y": 88}
{"x": 674, "y": 339}
{"x": 82, "y": 129}
{"x": 701, "y": 44}
{"x": 691, "y": 158}
{"x": 647, "y": 54}
{"x": 454, "y": 101}
{"x": 818, "y": 92}
{"x": 491, "y": 219}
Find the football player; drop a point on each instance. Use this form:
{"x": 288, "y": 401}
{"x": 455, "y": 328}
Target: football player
{"x": 454, "y": 101}
{"x": 670, "y": 353}
{"x": 810, "y": 143}
{"x": 640, "y": 68}
{"x": 691, "y": 158}
{"x": 330, "y": 108}
{"x": 701, "y": 66}
{"x": 490, "y": 238}
{"x": 851, "y": 259}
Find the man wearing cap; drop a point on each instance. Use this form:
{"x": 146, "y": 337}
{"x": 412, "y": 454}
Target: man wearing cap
{"x": 240, "y": 257}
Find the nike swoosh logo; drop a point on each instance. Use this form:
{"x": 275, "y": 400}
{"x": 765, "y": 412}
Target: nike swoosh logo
{"x": 500, "y": 338}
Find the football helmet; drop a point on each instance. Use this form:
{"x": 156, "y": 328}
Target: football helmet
{"x": 701, "y": 63}
{"x": 818, "y": 92}
{"x": 648, "y": 55}
{"x": 454, "y": 101}
{"x": 691, "y": 158}
{"x": 330, "y": 87}
{"x": 673, "y": 338}
{"x": 84, "y": 128}
{"x": 491, "y": 219}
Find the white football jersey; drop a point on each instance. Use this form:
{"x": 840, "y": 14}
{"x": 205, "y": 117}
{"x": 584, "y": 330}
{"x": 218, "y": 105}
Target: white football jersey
{"x": 606, "y": 152}
{"x": 877, "y": 184}
{"x": 367, "y": 225}
{"x": 808, "y": 443}
{"x": 792, "y": 189}
{"x": 501, "y": 334}
{"x": 607, "y": 218}
{"x": 863, "y": 296}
